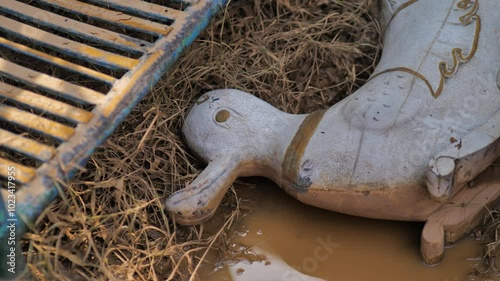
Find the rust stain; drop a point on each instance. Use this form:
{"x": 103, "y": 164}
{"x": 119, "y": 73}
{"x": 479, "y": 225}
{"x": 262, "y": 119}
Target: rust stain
{"x": 296, "y": 149}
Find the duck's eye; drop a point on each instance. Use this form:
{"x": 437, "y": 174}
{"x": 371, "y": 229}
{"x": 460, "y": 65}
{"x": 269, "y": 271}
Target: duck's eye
{"x": 222, "y": 116}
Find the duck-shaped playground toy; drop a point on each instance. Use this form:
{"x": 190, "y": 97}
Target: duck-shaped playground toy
{"x": 408, "y": 145}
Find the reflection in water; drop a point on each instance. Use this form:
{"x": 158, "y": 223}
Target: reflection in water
{"x": 281, "y": 233}
{"x": 270, "y": 268}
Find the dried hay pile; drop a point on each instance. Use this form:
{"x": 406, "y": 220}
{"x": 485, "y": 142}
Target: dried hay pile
{"x": 489, "y": 233}
{"x": 110, "y": 225}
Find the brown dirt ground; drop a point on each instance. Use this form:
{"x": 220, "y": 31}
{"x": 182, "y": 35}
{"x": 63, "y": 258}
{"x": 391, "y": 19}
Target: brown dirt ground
{"x": 298, "y": 55}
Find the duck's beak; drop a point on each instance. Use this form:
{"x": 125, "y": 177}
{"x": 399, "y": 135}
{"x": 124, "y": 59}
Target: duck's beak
{"x": 196, "y": 203}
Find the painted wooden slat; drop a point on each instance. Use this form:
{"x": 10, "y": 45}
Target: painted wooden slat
{"x": 143, "y": 8}
{"x": 49, "y": 83}
{"x": 70, "y": 26}
{"x": 36, "y": 123}
{"x": 66, "y": 46}
{"x": 118, "y": 18}
{"x": 44, "y": 103}
{"x": 26, "y": 146}
{"x": 23, "y": 174}
{"x": 56, "y": 61}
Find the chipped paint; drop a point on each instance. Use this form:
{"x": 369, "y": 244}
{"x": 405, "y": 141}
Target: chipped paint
{"x": 106, "y": 15}
{"x": 144, "y": 8}
{"x": 108, "y": 58}
{"x": 71, "y": 26}
{"x": 295, "y": 151}
{"x": 26, "y": 146}
{"x": 44, "y": 103}
{"x": 117, "y": 94}
{"x": 56, "y": 61}
{"x": 36, "y": 123}
{"x": 49, "y": 83}
{"x": 65, "y": 45}
{"x": 23, "y": 174}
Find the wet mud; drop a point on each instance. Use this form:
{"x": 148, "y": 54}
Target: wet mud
{"x": 283, "y": 239}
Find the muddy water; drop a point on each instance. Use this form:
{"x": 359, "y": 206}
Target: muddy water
{"x": 288, "y": 236}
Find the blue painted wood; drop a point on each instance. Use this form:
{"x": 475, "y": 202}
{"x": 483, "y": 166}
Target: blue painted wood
{"x": 126, "y": 93}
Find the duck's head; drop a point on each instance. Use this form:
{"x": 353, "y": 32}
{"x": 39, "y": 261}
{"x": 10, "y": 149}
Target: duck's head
{"x": 229, "y": 122}
{"x": 236, "y": 134}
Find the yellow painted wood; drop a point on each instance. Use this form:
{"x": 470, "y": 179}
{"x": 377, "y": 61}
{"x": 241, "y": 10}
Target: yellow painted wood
{"x": 115, "y": 97}
{"x": 145, "y": 7}
{"x": 48, "y": 82}
{"x": 57, "y": 61}
{"x": 21, "y": 174}
{"x": 60, "y": 43}
{"x": 44, "y": 103}
{"x": 110, "y": 16}
{"x": 68, "y": 24}
{"x": 36, "y": 123}
{"x": 26, "y": 146}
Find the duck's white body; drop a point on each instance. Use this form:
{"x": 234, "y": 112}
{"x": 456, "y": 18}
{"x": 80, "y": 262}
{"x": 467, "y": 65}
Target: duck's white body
{"x": 385, "y": 135}
{"x": 388, "y": 131}
{"x": 402, "y": 147}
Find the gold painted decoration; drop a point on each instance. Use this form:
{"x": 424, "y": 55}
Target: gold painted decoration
{"x": 445, "y": 70}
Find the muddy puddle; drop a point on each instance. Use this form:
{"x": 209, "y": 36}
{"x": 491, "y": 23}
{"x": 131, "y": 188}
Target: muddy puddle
{"x": 286, "y": 240}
